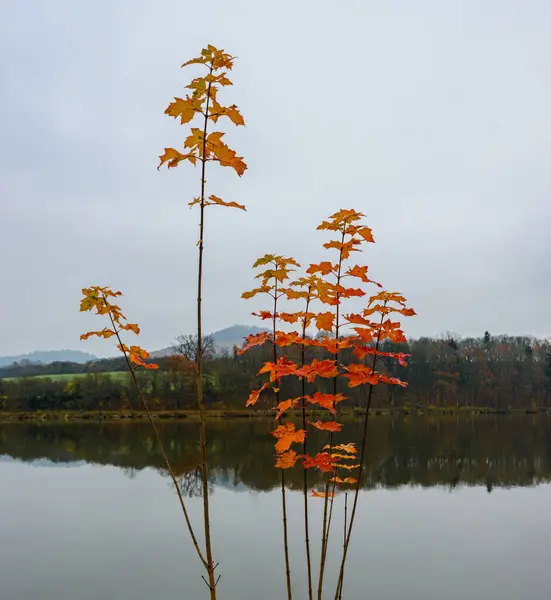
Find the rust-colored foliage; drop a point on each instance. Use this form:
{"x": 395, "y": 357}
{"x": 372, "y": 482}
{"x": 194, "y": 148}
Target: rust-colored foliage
{"x": 324, "y": 286}
{"x": 327, "y": 425}
{"x": 286, "y": 435}
{"x": 202, "y": 100}
{"x": 97, "y": 298}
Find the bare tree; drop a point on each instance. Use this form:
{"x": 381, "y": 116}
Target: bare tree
{"x": 186, "y": 345}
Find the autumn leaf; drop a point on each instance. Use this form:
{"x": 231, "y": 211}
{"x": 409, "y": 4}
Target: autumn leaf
{"x": 349, "y": 480}
{"x": 391, "y": 380}
{"x": 131, "y": 327}
{"x": 359, "y": 272}
{"x": 287, "y": 339}
{"x": 216, "y": 200}
{"x": 318, "y": 368}
{"x": 358, "y": 374}
{"x": 345, "y": 248}
{"x": 366, "y": 233}
{"x": 260, "y": 290}
{"x": 322, "y": 461}
{"x": 264, "y": 315}
{"x": 283, "y": 367}
{"x": 286, "y": 435}
{"x": 285, "y": 405}
{"x": 323, "y": 268}
{"x": 232, "y": 112}
{"x": 327, "y": 425}
{"x": 347, "y": 467}
{"x": 350, "y": 448}
{"x": 290, "y": 317}
{"x": 286, "y": 460}
{"x": 255, "y": 339}
{"x": 173, "y": 157}
{"x": 255, "y": 394}
{"x": 327, "y": 401}
{"x": 316, "y": 494}
{"x": 104, "y": 333}
{"x": 185, "y": 108}
{"x": 324, "y": 321}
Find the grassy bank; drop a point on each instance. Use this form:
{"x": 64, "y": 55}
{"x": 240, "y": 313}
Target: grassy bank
{"x": 115, "y": 375}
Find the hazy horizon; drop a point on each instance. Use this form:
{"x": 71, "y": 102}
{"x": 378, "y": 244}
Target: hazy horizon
{"x": 431, "y": 118}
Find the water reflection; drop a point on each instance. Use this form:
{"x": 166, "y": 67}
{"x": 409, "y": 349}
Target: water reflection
{"x": 489, "y": 451}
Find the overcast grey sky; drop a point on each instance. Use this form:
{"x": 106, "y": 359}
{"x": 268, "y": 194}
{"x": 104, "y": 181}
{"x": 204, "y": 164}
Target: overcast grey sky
{"x": 431, "y": 117}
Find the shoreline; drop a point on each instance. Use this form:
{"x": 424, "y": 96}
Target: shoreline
{"x": 217, "y": 414}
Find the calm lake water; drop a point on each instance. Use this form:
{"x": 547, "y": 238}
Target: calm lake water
{"x": 451, "y": 509}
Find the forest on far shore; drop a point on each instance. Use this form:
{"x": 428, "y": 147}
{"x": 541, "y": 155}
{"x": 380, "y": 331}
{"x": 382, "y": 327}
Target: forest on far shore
{"x": 494, "y": 372}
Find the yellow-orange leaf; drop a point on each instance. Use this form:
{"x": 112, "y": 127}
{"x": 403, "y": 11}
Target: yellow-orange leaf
{"x": 324, "y": 321}
{"x": 318, "y": 368}
{"x": 322, "y": 461}
{"x": 260, "y": 290}
{"x": 327, "y": 425}
{"x": 286, "y": 435}
{"x": 351, "y": 448}
{"x": 349, "y": 480}
{"x": 324, "y": 268}
{"x": 285, "y": 405}
{"x": 349, "y": 467}
{"x": 173, "y": 157}
{"x": 255, "y": 394}
{"x": 216, "y": 200}
{"x": 186, "y": 109}
{"x": 254, "y": 339}
{"x": 287, "y": 339}
{"x": 104, "y": 333}
{"x": 286, "y": 460}
{"x": 327, "y": 401}
{"x": 316, "y": 494}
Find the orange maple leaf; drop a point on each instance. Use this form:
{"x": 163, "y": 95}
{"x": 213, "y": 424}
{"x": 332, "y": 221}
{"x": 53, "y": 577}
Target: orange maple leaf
{"x": 285, "y": 405}
{"x": 322, "y": 461}
{"x": 264, "y": 315}
{"x": 324, "y": 268}
{"x": 358, "y": 374}
{"x": 351, "y": 448}
{"x": 316, "y": 494}
{"x": 287, "y": 339}
{"x": 255, "y": 394}
{"x": 255, "y": 339}
{"x": 359, "y": 272}
{"x": 318, "y": 368}
{"x": 289, "y": 317}
{"x": 327, "y": 401}
{"x": 286, "y": 435}
{"x": 283, "y": 367}
{"x": 324, "y": 321}
{"x": 286, "y": 460}
{"x": 349, "y": 480}
{"x": 327, "y": 425}
{"x": 216, "y": 200}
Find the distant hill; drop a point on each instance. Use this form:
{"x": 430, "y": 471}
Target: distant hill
{"x": 224, "y": 338}
{"x": 48, "y": 356}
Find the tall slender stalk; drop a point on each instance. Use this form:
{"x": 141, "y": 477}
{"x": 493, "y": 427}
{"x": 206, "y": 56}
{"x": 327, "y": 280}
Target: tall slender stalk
{"x": 283, "y": 493}
{"x": 305, "y": 450}
{"x": 327, "y": 517}
{"x": 338, "y": 592}
{"x": 158, "y": 439}
{"x": 199, "y": 365}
